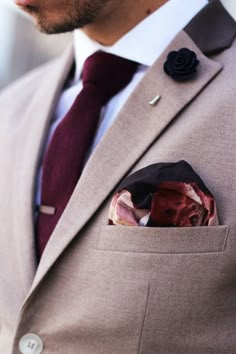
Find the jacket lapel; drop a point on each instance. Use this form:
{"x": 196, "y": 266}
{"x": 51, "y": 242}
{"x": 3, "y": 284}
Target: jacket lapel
{"x": 35, "y": 121}
{"x": 137, "y": 126}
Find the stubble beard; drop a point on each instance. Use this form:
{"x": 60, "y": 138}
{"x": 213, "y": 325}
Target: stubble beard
{"x": 75, "y": 16}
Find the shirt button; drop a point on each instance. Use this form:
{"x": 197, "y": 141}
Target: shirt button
{"x": 31, "y": 344}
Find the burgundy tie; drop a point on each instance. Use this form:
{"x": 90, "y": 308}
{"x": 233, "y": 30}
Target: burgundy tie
{"x": 104, "y": 75}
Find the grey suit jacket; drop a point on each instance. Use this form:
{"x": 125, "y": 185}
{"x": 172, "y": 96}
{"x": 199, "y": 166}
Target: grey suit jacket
{"x": 103, "y": 289}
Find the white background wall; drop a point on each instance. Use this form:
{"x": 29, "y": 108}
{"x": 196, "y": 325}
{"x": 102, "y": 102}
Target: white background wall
{"x": 230, "y": 5}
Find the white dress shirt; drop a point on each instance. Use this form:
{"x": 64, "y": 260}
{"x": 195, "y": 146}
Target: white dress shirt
{"x": 143, "y": 44}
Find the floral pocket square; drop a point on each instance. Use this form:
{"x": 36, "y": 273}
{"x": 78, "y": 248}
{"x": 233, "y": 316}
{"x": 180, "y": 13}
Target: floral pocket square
{"x": 163, "y": 195}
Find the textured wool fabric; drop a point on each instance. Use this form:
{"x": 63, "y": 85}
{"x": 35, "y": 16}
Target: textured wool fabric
{"x": 104, "y": 75}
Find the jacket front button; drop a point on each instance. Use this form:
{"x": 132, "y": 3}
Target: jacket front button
{"x": 31, "y": 344}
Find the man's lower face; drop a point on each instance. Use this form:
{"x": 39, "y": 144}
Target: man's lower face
{"x": 58, "y": 16}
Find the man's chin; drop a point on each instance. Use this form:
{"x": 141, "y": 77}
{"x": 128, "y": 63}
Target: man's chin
{"x": 49, "y": 23}
{"x": 48, "y": 27}
{"x": 52, "y": 28}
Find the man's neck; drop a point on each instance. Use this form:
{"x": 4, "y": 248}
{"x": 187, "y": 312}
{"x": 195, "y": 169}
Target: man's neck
{"x": 120, "y": 18}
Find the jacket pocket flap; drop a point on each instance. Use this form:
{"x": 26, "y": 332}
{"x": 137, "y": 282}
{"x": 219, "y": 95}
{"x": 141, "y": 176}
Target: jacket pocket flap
{"x": 201, "y": 239}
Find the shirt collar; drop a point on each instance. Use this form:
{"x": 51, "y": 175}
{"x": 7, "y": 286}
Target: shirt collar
{"x": 146, "y": 41}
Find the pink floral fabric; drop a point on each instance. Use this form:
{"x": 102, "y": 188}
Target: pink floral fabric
{"x": 163, "y": 195}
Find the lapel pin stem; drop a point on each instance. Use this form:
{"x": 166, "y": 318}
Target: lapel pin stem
{"x": 155, "y": 100}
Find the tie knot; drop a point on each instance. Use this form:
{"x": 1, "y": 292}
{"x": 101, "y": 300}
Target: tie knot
{"x": 108, "y": 72}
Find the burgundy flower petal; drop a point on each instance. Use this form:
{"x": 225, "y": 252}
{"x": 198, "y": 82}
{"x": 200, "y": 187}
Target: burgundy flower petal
{"x": 178, "y": 204}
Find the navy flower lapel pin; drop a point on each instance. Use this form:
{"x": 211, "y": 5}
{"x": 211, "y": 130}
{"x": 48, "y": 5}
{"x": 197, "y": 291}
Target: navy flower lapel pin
{"x": 181, "y": 65}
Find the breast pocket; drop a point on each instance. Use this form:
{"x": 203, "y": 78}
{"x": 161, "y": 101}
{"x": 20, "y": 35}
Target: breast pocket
{"x": 167, "y": 240}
